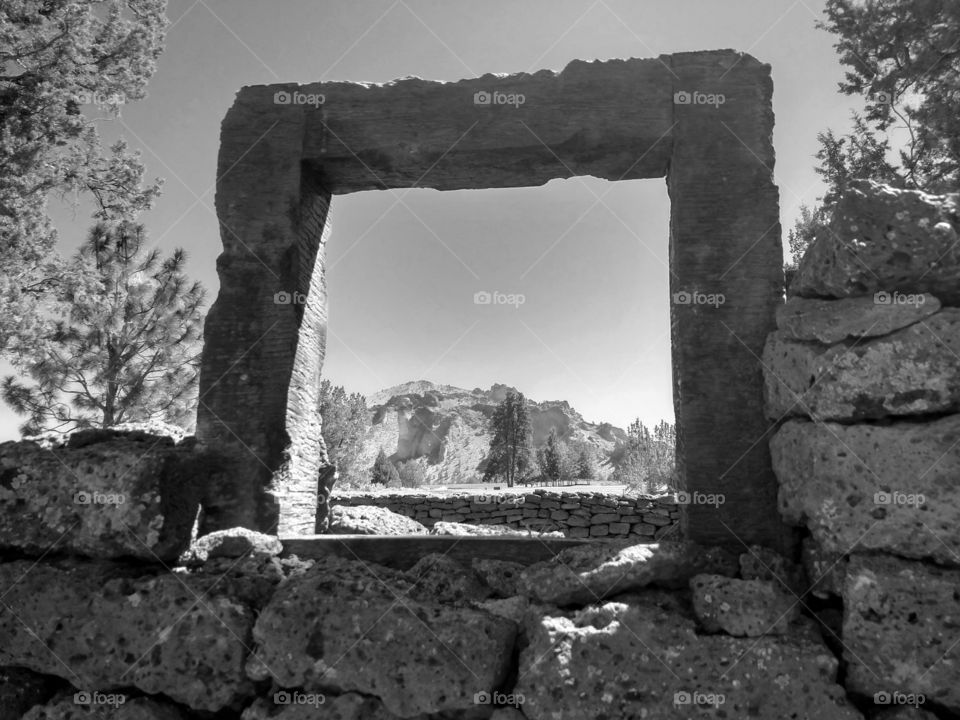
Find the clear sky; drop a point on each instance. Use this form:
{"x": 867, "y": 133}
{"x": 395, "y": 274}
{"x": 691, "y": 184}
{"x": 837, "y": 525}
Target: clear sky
{"x": 594, "y": 325}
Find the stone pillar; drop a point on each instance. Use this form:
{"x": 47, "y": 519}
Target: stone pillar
{"x": 724, "y": 241}
{"x": 265, "y": 334}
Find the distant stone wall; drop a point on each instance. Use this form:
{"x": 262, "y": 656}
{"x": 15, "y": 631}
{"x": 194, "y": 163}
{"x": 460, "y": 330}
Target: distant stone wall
{"x": 576, "y": 514}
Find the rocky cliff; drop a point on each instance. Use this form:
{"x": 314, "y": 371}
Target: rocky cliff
{"x": 448, "y": 427}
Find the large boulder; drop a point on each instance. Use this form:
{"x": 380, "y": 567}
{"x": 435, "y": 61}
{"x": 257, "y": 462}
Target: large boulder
{"x": 371, "y": 520}
{"x": 232, "y": 543}
{"x": 873, "y": 487}
{"x": 900, "y": 628}
{"x": 832, "y": 321}
{"x": 353, "y": 627}
{"x": 645, "y": 659}
{"x": 111, "y": 499}
{"x": 743, "y": 608}
{"x": 910, "y": 371}
{"x": 882, "y": 239}
{"x": 102, "y": 629}
{"x": 589, "y": 573}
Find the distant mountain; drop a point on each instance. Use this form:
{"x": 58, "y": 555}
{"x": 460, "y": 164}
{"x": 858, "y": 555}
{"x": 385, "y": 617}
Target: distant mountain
{"x": 447, "y": 426}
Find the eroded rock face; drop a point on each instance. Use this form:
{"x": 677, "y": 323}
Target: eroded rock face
{"x": 101, "y": 630}
{"x": 645, "y": 659}
{"x": 832, "y": 321}
{"x": 118, "y": 498}
{"x": 590, "y": 573}
{"x": 742, "y": 608}
{"x": 371, "y": 520}
{"x": 761, "y": 563}
{"x": 873, "y": 487}
{"x": 911, "y": 371}
{"x": 900, "y": 627}
{"x": 501, "y": 576}
{"x": 447, "y": 581}
{"x": 231, "y": 543}
{"x": 309, "y": 706}
{"x": 130, "y": 709}
{"x": 885, "y": 239}
{"x": 825, "y": 571}
{"x": 355, "y": 627}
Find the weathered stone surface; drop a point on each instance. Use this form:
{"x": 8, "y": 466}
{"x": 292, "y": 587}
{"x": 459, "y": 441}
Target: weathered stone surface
{"x": 231, "y": 543}
{"x": 873, "y": 487}
{"x": 743, "y": 608}
{"x": 645, "y": 660}
{"x": 589, "y": 573}
{"x": 370, "y": 520}
{"x": 900, "y": 629}
{"x": 21, "y": 689}
{"x": 760, "y": 563}
{"x": 110, "y": 708}
{"x": 101, "y": 630}
{"x": 904, "y": 712}
{"x": 284, "y": 705}
{"x": 832, "y": 321}
{"x": 456, "y": 528}
{"x": 619, "y": 119}
{"x": 118, "y": 498}
{"x": 417, "y": 657}
{"x": 911, "y": 371}
{"x": 445, "y": 580}
{"x": 826, "y": 571}
{"x": 500, "y": 575}
{"x": 884, "y": 239}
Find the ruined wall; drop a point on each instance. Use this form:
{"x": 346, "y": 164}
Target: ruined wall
{"x": 575, "y": 514}
{"x": 702, "y": 120}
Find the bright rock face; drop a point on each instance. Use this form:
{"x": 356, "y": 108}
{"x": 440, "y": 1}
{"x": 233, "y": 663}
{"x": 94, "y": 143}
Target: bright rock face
{"x": 873, "y": 487}
{"x": 370, "y": 520}
{"x": 900, "y": 627}
{"x": 883, "y": 239}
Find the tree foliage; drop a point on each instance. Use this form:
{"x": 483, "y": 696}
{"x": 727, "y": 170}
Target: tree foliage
{"x": 118, "y": 341}
{"x": 384, "y": 472}
{"x": 412, "y": 473}
{"x": 552, "y": 457}
{"x": 62, "y": 61}
{"x": 646, "y": 462}
{"x": 345, "y": 422}
{"x": 510, "y": 451}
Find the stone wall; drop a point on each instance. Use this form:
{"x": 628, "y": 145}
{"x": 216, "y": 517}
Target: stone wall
{"x": 575, "y": 514}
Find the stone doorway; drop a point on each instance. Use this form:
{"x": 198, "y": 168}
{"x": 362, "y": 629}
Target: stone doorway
{"x": 702, "y": 120}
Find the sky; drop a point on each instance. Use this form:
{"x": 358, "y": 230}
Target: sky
{"x": 587, "y": 281}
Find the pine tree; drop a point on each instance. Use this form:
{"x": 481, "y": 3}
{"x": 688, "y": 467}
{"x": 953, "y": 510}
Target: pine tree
{"x": 65, "y": 62}
{"x": 118, "y": 342}
{"x": 586, "y": 465}
{"x": 551, "y": 457}
{"x": 384, "y": 472}
{"x": 510, "y": 450}
{"x": 345, "y": 422}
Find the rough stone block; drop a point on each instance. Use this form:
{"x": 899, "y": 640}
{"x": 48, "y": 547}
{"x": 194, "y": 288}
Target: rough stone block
{"x": 445, "y": 580}
{"x": 110, "y": 707}
{"x": 501, "y": 576}
{"x": 826, "y": 571}
{"x": 619, "y": 528}
{"x": 119, "y": 498}
{"x": 599, "y": 530}
{"x": 171, "y": 634}
{"x": 743, "y": 608}
{"x": 372, "y": 520}
{"x": 900, "y": 626}
{"x": 589, "y": 573}
{"x": 832, "y": 321}
{"x": 416, "y": 656}
{"x": 673, "y": 672}
{"x": 873, "y": 487}
{"x": 908, "y": 372}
